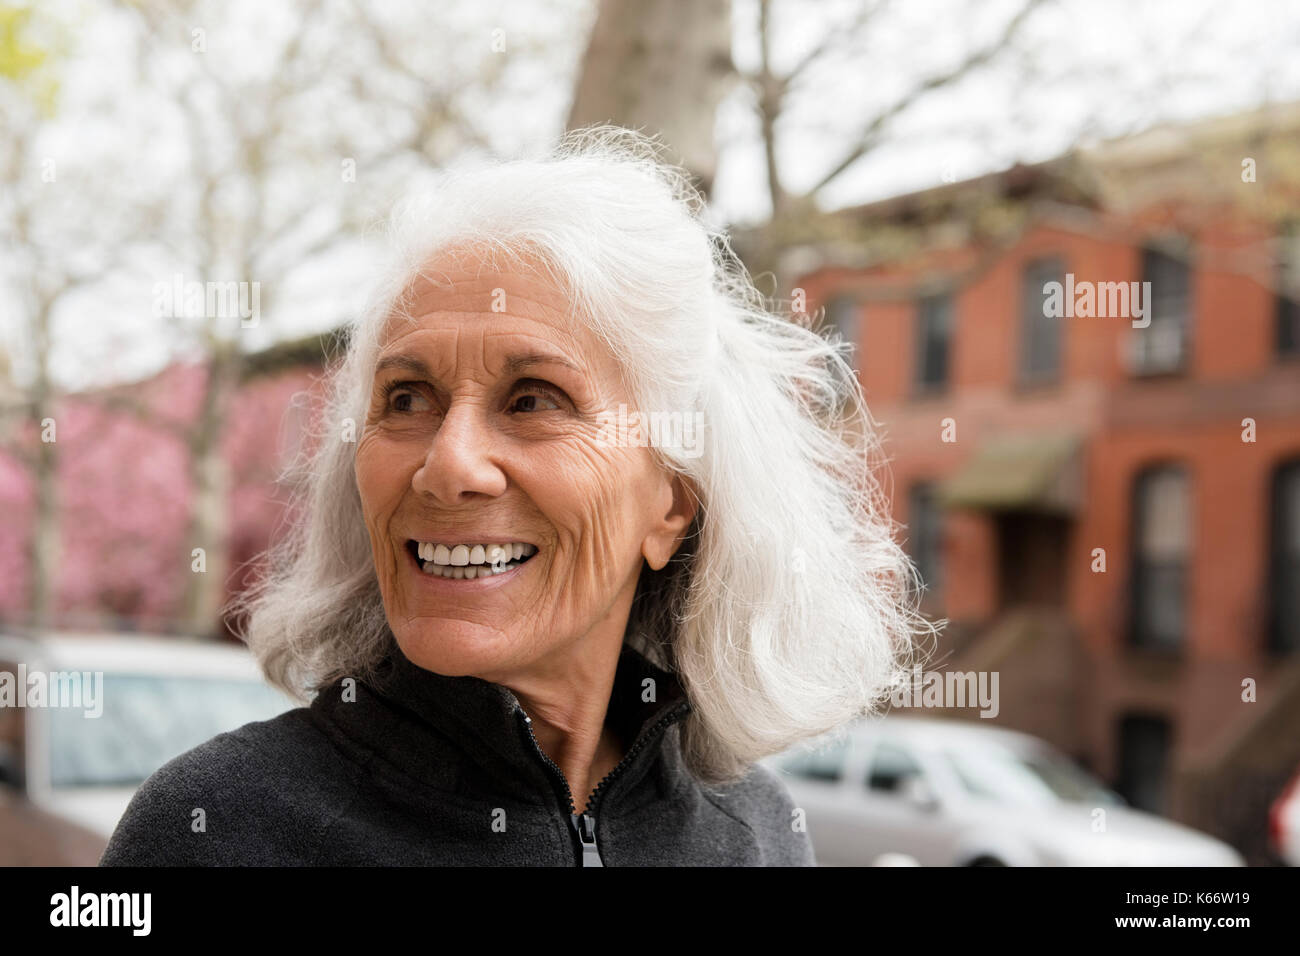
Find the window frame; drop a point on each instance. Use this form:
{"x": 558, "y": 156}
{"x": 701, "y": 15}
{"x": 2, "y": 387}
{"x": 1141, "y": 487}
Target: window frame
{"x": 926, "y": 490}
{"x": 1144, "y": 341}
{"x": 1282, "y": 559}
{"x": 1286, "y": 339}
{"x": 1034, "y": 321}
{"x": 1140, "y": 636}
{"x": 925, "y": 324}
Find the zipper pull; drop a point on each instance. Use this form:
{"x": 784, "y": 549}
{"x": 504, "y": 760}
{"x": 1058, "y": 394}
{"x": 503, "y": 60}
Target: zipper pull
{"x": 585, "y": 825}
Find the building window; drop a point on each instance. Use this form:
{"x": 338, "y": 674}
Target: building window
{"x": 1288, "y": 290}
{"x": 1162, "y": 548}
{"x": 925, "y": 536}
{"x": 1163, "y": 345}
{"x": 842, "y": 319}
{"x": 934, "y": 335}
{"x": 1040, "y": 333}
{"x": 840, "y": 324}
{"x": 1284, "y": 576}
{"x": 1144, "y": 761}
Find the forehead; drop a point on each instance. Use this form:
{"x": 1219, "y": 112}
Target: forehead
{"x": 498, "y": 302}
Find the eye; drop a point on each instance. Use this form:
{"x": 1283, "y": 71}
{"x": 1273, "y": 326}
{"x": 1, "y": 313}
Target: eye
{"x": 402, "y": 398}
{"x": 533, "y": 402}
{"x": 535, "y": 396}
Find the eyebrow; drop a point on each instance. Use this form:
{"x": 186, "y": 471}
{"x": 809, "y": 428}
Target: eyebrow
{"x": 514, "y": 364}
{"x": 518, "y": 363}
{"x": 406, "y": 363}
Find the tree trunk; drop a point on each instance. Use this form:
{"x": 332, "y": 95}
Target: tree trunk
{"x": 209, "y": 513}
{"x": 660, "y": 66}
{"x": 44, "y": 542}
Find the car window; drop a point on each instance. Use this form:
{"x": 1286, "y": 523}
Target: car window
{"x": 891, "y": 765}
{"x": 1030, "y": 776}
{"x": 822, "y": 761}
{"x": 147, "y": 720}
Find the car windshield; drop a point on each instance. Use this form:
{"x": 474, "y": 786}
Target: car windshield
{"x": 1028, "y": 776}
{"x": 147, "y": 720}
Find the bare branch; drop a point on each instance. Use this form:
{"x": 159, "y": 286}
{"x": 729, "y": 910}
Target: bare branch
{"x": 870, "y": 136}
{"x": 836, "y": 39}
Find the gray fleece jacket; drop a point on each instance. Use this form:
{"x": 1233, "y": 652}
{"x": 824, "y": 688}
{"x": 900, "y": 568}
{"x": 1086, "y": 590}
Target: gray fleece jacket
{"x": 426, "y": 770}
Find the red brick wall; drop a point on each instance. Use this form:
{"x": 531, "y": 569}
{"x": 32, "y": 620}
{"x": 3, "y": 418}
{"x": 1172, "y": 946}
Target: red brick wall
{"x": 1194, "y": 418}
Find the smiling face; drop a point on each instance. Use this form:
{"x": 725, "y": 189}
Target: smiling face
{"x": 481, "y": 447}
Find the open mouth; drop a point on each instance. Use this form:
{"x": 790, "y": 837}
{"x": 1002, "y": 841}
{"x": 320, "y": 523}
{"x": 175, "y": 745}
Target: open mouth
{"x": 469, "y": 561}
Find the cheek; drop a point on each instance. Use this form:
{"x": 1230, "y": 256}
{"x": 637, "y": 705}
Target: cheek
{"x": 590, "y": 494}
{"x": 381, "y": 476}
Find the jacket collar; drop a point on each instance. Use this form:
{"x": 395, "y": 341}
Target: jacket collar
{"x": 412, "y": 716}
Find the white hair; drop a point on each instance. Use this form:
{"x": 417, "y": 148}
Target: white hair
{"x": 791, "y": 608}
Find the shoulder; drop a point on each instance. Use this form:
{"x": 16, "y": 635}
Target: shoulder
{"x": 253, "y": 796}
{"x": 761, "y": 800}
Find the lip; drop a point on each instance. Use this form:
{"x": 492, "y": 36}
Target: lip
{"x": 457, "y": 585}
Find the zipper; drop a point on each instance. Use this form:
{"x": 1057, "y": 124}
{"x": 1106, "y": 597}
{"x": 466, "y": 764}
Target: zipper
{"x": 584, "y": 823}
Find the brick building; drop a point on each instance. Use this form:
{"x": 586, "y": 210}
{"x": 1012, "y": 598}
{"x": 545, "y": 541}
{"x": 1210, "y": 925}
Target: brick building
{"x": 1106, "y": 511}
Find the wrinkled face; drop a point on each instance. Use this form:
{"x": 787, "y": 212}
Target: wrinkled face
{"x": 506, "y": 529}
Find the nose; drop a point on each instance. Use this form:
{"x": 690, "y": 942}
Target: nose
{"x": 459, "y": 464}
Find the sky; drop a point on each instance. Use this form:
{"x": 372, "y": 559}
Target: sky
{"x": 1083, "y": 70}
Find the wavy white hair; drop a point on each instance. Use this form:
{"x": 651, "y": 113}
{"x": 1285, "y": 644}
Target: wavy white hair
{"x": 791, "y": 608}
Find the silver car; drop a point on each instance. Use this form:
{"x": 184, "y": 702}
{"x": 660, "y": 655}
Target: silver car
{"x": 144, "y": 701}
{"x": 954, "y": 793}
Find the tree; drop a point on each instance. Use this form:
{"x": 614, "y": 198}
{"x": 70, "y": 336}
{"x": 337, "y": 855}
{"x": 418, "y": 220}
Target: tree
{"x": 662, "y": 66}
{"x": 245, "y": 156}
{"x": 267, "y": 191}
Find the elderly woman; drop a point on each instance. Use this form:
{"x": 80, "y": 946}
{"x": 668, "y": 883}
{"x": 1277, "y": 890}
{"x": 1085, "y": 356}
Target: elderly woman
{"x": 588, "y": 532}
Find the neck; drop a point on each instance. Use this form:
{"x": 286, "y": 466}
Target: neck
{"x": 567, "y": 698}
{"x": 568, "y": 709}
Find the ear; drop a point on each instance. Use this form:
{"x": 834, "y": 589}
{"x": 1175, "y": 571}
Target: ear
{"x": 677, "y": 504}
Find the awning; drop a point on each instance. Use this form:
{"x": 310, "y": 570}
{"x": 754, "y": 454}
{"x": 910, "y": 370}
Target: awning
{"x": 1041, "y": 473}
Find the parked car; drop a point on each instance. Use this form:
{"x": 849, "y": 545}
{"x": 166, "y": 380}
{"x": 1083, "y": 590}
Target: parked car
{"x": 1284, "y": 822}
{"x": 157, "y": 697}
{"x": 954, "y": 793}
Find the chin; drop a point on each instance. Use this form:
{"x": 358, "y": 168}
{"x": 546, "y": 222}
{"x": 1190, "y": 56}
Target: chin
{"x": 453, "y": 648}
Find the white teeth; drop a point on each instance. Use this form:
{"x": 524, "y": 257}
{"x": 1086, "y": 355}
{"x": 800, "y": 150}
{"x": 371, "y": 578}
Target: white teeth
{"x": 470, "y": 561}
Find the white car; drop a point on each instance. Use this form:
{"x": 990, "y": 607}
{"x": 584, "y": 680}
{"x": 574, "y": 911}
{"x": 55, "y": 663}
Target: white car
{"x": 955, "y": 793}
{"x": 1284, "y": 822}
{"x": 156, "y": 698}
